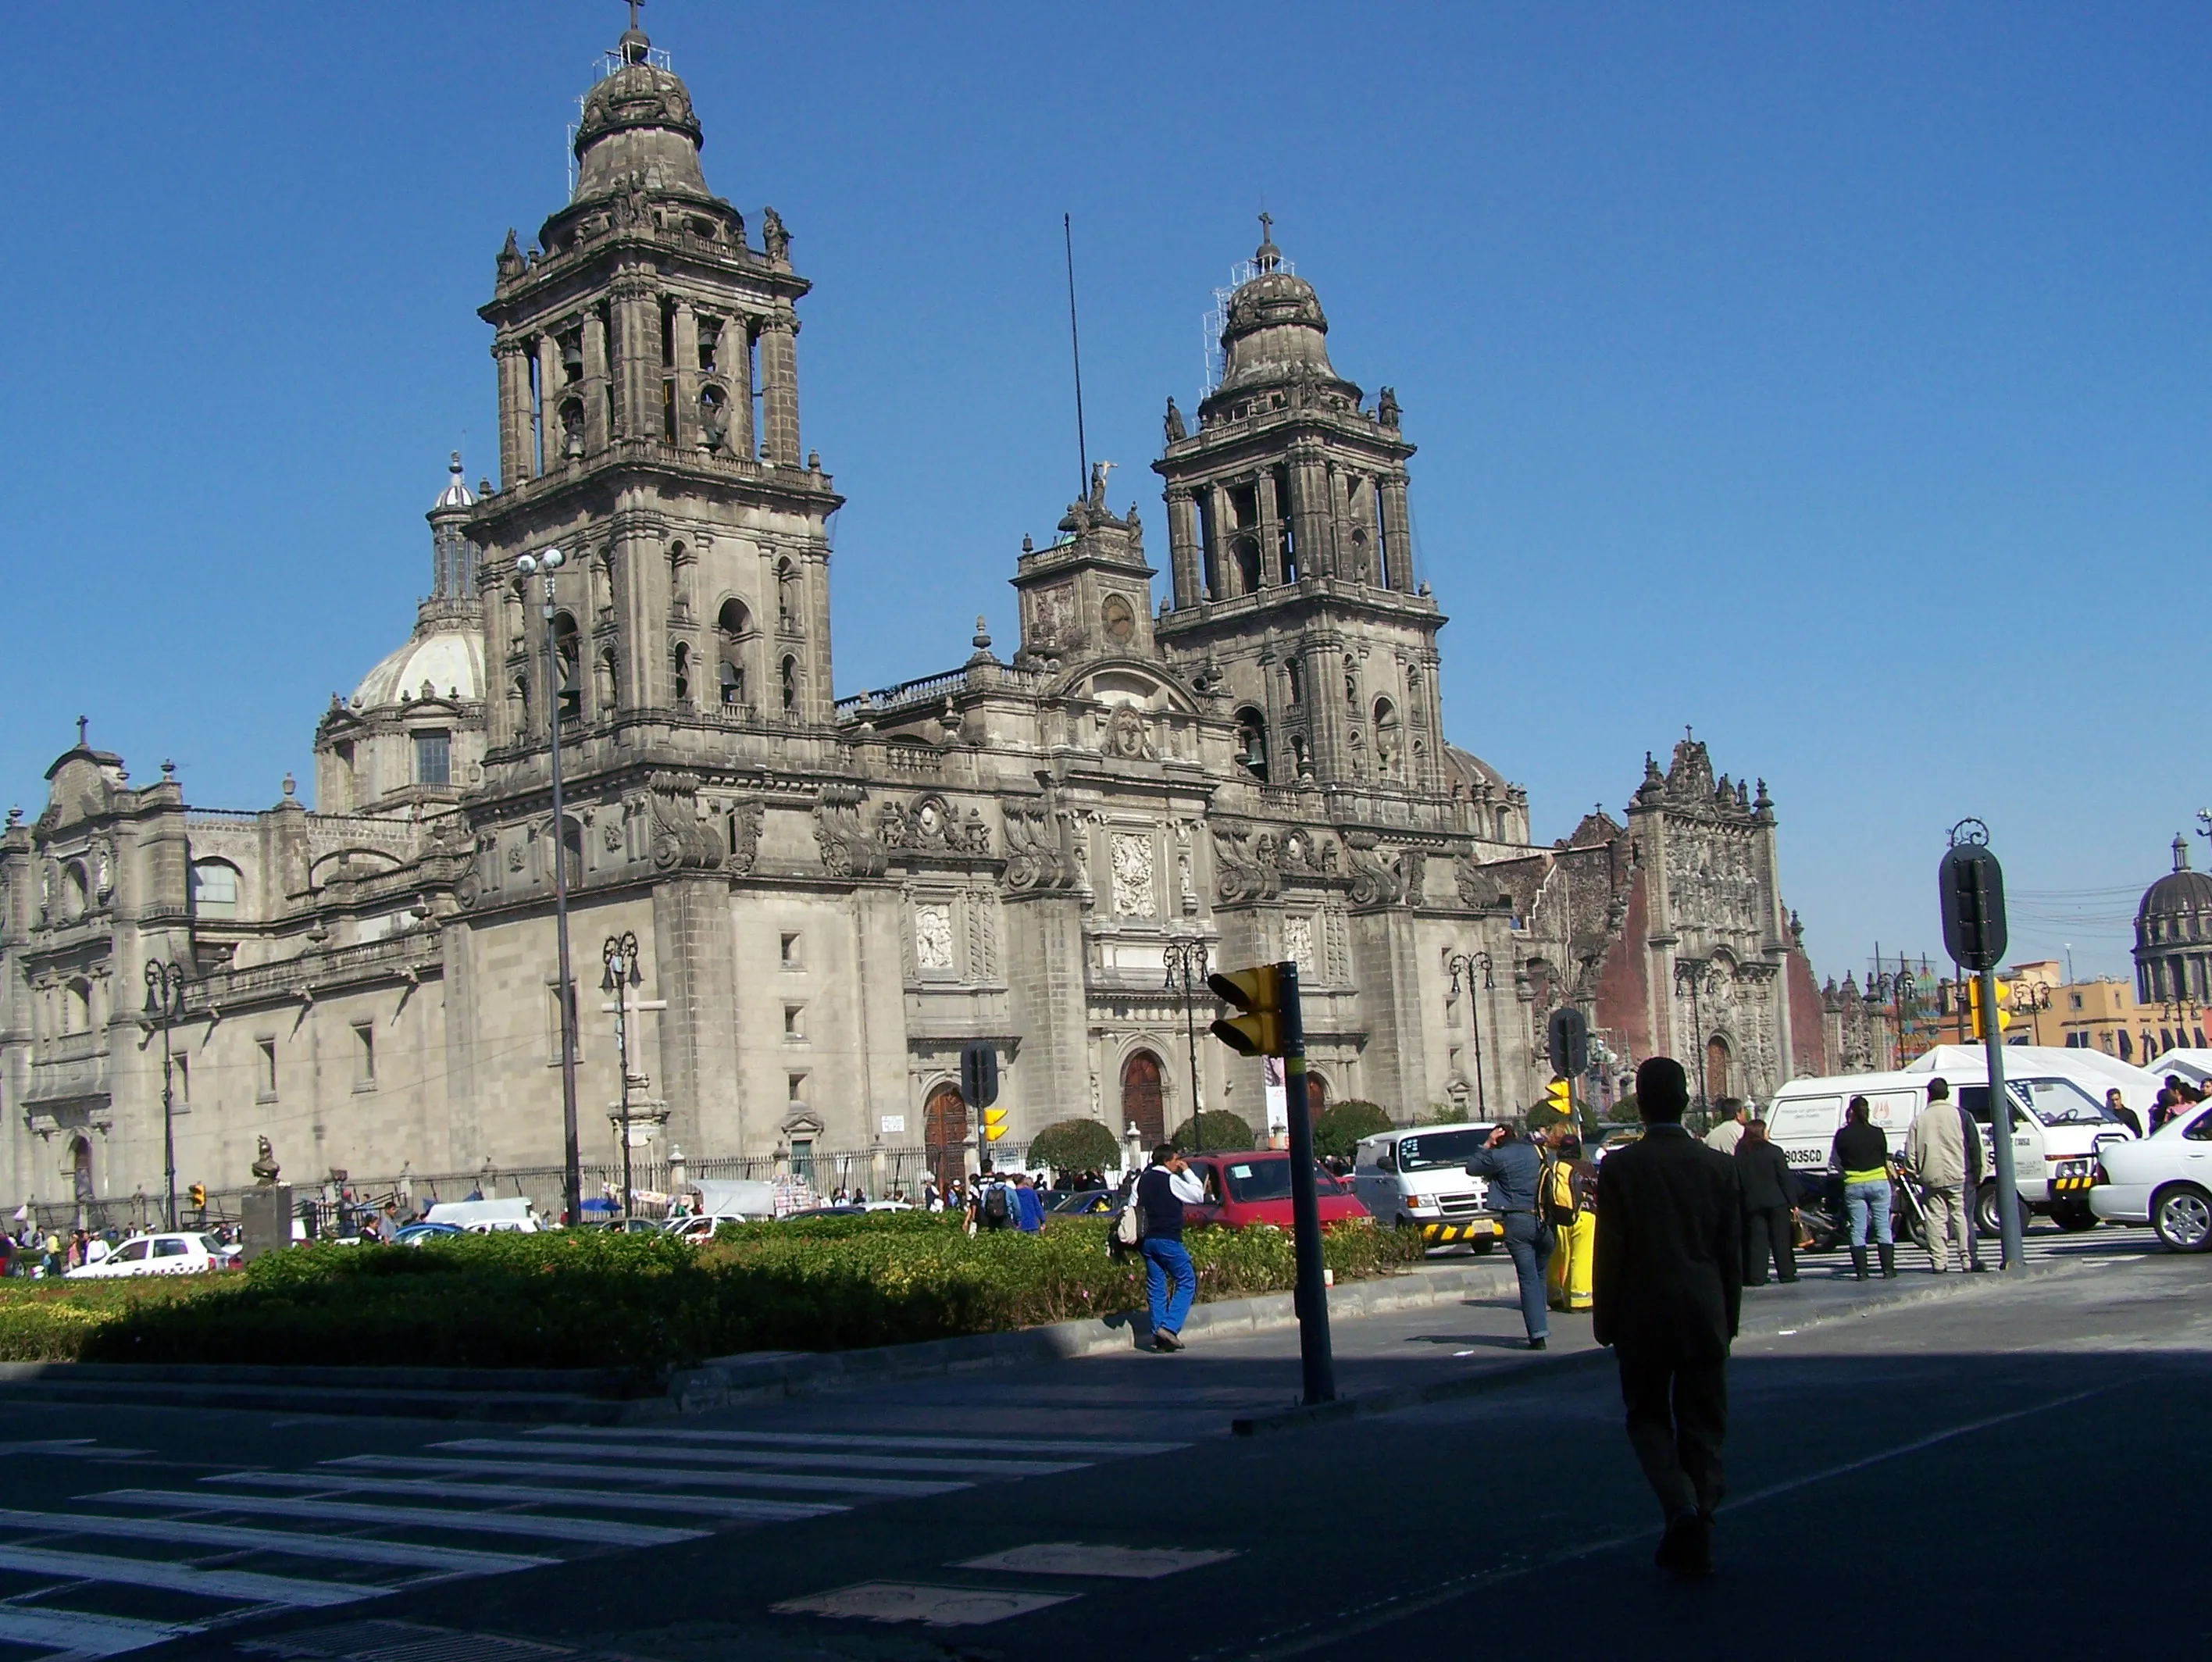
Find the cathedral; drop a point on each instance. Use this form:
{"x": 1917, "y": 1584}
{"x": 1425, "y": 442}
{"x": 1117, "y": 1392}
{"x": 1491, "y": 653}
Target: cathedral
{"x": 830, "y": 896}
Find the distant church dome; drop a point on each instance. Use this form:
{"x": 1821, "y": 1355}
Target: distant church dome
{"x": 2174, "y": 934}
{"x": 451, "y": 660}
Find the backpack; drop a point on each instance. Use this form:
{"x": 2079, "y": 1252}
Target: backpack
{"x": 994, "y": 1210}
{"x": 1558, "y": 1196}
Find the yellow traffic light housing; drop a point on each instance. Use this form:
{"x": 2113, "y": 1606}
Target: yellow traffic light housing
{"x": 1257, "y": 994}
{"x": 994, "y": 1123}
{"x": 1559, "y": 1097}
{"x": 197, "y": 1194}
{"x": 1974, "y": 1007}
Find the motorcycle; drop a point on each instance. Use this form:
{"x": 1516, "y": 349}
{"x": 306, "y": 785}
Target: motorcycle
{"x": 1824, "y": 1222}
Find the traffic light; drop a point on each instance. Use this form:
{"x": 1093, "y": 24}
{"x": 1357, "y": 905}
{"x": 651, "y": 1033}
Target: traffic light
{"x": 1974, "y": 1007}
{"x": 1559, "y": 1097}
{"x": 198, "y": 1195}
{"x": 1258, "y": 994}
{"x": 994, "y": 1123}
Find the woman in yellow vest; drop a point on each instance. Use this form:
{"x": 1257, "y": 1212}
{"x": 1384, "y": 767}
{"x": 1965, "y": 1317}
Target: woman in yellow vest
{"x": 1569, "y": 1203}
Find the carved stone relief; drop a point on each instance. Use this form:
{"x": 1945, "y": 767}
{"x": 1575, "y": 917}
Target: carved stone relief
{"x": 1133, "y": 894}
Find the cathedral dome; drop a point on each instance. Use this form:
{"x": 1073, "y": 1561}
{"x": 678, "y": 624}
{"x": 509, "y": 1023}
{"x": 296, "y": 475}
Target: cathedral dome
{"x": 2180, "y": 895}
{"x": 450, "y": 660}
{"x": 637, "y": 131}
{"x": 1275, "y": 330}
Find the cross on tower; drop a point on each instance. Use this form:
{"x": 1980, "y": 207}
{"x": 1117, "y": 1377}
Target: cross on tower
{"x": 633, "y": 5}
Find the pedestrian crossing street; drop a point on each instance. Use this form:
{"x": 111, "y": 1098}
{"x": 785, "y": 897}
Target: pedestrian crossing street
{"x": 120, "y": 1569}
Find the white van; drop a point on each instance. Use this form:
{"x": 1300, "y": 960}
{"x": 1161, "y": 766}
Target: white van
{"x": 511, "y": 1216}
{"x": 2058, "y": 1127}
{"x": 1417, "y": 1179}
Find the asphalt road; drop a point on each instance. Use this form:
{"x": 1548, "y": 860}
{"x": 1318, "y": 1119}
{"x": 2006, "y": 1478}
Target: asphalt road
{"x": 1979, "y": 1460}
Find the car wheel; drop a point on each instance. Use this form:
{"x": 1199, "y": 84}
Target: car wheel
{"x": 2182, "y": 1215}
{"x": 2074, "y": 1218}
{"x": 1986, "y": 1221}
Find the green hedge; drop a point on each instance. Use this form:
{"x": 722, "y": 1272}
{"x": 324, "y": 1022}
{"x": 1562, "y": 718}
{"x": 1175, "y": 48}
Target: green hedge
{"x": 600, "y": 1300}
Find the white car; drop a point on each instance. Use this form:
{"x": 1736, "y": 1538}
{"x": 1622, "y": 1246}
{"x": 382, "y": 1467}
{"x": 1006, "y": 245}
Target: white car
{"x": 161, "y": 1255}
{"x": 2163, "y": 1180}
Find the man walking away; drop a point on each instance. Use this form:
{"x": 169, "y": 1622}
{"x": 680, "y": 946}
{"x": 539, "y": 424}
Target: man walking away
{"x": 1030, "y": 1205}
{"x": 1935, "y": 1150}
{"x": 991, "y": 1203}
{"x": 1168, "y": 1186}
{"x": 1513, "y": 1168}
{"x": 1670, "y": 1291}
{"x": 1726, "y": 1135}
{"x": 1770, "y": 1206}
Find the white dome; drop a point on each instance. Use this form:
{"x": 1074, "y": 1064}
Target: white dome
{"x": 450, "y": 659}
{"x": 456, "y": 495}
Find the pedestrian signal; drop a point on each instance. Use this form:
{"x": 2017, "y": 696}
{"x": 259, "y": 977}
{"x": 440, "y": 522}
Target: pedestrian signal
{"x": 197, "y": 1194}
{"x": 1559, "y": 1097}
{"x": 994, "y": 1123}
{"x": 1974, "y": 1007}
{"x": 1257, "y": 994}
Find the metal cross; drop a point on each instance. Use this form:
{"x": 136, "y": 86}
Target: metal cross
{"x": 633, "y": 5}
{"x": 1266, "y": 226}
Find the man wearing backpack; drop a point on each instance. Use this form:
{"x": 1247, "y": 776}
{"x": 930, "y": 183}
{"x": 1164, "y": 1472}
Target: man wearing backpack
{"x": 991, "y": 1204}
{"x": 1168, "y": 1186}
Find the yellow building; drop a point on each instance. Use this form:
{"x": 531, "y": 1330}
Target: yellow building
{"x": 2101, "y": 1014}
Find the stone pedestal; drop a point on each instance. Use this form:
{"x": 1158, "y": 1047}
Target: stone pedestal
{"x": 264, "y": 1217}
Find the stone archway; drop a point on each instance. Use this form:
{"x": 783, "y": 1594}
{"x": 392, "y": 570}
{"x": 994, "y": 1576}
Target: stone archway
{"x": 1142, "y": 1103}
{"x": 1316, "y": 1095}
{"x": 944, "y": 1133}
{"x": 1717, "y": 1060}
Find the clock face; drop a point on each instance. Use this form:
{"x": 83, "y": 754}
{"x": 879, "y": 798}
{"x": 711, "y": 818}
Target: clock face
{"x": 1119, "y": 618}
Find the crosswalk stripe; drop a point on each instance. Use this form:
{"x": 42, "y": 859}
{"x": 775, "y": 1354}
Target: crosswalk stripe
{"x": 602, "y": 1532}
{"x": 976, "y": 1468}
{"x": 352, "y": 1548}
{"x": 74, "y": 1633}
{"x": 1024, "y": 1446}
{"x": 181, "y": 1578}
{"x": 749, "y": 1510}
{"x": 610, "y": 1472}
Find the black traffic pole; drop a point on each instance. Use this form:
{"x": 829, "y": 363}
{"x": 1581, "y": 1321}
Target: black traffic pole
{"x": 1312, "y": 1294}
{"x": 164, "y": 1002}
{"x": 1186, "y": 958}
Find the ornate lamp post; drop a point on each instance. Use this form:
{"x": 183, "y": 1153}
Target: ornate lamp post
{"x": 551, "y": 562}
{"x": 1185, "y": 965}
{"x": 622, "y": 978}
{"x": 165, "y": 1006}
{"x": 1694, "y": 976}
{"x": 1463, "y": 965}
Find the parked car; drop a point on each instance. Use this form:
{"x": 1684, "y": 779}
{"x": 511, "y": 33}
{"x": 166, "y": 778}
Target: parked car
{"x": 2164, "y": 1180}
{"x": 1080, "y": 1202}
{"x": 162, "y": 1255}
{"x": 1254, "y": 1187}
{"x": 414, "y": 1234}
{"x": 512, "y": 1215}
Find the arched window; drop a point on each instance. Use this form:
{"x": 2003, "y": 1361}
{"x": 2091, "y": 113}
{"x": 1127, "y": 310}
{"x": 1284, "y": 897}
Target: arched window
{"x": 76, "y": 1006}
{"x": 1504, "y": 826}
{"x": 76, "y": 895}
{"x": 1295, "y": 670}
{"x": 214, "y": 889}
{"x": 1350, "y": 687}
{"x": 568, "y": 659}
{"x": 606, "y": 692}
{"x": 518, "y": 703}
{"x": 679, "y": 602}
{"x": 734, "y": 627}
{"x": 682, "y": 668}
{"x": 790, "y": 685}
{"x": 1386, "y": 738}
{"x": 1252, "y": 742}
{"x": 572, "y": 428}
{"x": 1300, "y": 756}
{"x": 787, "y": 594}
{"x": 1247, "y": 565}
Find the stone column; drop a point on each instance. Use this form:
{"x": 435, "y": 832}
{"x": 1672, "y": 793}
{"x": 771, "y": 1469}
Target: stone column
{"x": 1397, "y": 533}
{"x": 1271, "y": 531}
{"x": 515, "y": 463}
{"x": 637, "y": 367}
{"x": 1306, "y": 519}
{"x": 685, "y": 373}
{"x": 1225, "y": 574}
{"x": 734, "y": 356}
{"x": 595, "y": 389}
{"x": 548, "y": 403}
{"x": 1183, "y": 546}
{"x": 779, "y": 355}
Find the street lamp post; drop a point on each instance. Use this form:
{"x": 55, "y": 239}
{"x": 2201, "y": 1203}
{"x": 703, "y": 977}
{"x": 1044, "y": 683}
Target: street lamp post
{"x": 548, "y": 563}
{"x": 1694, "y": 976}
{"x": 1186, "y": 961}
{"x": 1464, "y": 964}
{"x": 165, "y": 1005}
{"x": 622, "y": 978}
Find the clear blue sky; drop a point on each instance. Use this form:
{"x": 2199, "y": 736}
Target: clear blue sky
{"x": 1741, "y": 343}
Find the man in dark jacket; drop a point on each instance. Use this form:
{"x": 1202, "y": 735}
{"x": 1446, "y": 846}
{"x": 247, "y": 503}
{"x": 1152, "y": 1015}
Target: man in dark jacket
{"x": 1513, "y": 1167}
{"x": 1769, "y": 1207}
{"x": 1669, "y": 1288}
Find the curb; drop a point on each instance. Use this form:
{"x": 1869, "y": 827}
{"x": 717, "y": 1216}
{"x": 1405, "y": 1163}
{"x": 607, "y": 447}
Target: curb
{"x": 727, "y": 1381}
{"x": 1401, "y": 1398}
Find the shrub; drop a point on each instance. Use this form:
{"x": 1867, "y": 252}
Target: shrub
{"x": 643, "y": 1303}
{"x": 1222, "y": 1130}
{"x": 1075, "y": 1145}
{"x": 1341, "y": 1126}
{"x": 1625, "y": 1111}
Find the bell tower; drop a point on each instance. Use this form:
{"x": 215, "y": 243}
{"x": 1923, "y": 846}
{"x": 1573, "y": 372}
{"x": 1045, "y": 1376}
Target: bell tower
{"x": 1291, "y": 555}
{"x": 648, "y": 427}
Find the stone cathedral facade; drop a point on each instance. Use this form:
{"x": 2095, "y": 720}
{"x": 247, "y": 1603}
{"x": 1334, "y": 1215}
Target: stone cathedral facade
{"x": 833, "y": 896}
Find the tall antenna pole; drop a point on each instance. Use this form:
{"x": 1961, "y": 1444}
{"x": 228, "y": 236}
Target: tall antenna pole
{"x": 1075, "y": 343}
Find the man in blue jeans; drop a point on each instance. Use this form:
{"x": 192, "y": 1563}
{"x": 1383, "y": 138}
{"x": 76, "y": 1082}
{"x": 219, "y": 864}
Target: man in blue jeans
{"x": 1168, "y": 1186}
{"x": 1513, "y": 1167}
